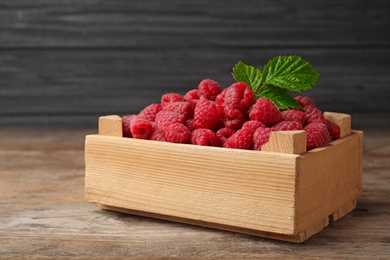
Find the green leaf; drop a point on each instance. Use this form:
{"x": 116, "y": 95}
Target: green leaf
{"x": 248, "y": 74}
{"x": 289, "y": 72}
{"x": 279, "y": 96}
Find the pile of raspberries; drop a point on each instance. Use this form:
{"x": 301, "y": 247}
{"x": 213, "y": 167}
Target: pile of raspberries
{"x": 230, "y": 118}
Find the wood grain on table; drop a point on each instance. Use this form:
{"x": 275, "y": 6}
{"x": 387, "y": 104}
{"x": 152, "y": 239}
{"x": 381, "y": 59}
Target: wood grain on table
{"x": 43, "y": 213}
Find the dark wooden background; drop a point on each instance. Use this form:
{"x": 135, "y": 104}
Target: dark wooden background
{"x": 65, "y": 62}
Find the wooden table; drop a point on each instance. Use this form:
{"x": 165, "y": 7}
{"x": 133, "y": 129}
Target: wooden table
{"x": 43, "y": 213}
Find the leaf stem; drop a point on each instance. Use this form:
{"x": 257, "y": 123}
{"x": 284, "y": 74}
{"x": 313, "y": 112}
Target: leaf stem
{"x": 257, "y": 89}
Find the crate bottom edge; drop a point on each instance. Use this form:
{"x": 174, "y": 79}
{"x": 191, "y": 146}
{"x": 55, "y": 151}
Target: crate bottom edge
{"x": 295, "y": 238}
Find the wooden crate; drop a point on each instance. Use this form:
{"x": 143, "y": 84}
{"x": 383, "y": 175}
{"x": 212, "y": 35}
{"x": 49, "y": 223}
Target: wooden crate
{"x": 285, "y": 192}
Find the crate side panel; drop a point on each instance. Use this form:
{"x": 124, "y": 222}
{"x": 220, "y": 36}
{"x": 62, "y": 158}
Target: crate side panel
{"x": 329, "y": 178}
{"x": 249, "y": 189}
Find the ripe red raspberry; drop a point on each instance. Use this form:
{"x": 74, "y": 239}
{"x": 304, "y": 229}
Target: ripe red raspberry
{"x": 242, "y": 139}
{"x": 313, "y": 114}
{"x": 158, "y": 135}
{"x": 294, "y": 115}
{"x": 171, "y": 98}
{"x": 260, "y": 137}
{"x": 204, "y": 137}
{"x": 334, "y": 130}
{"x": 191, "y": 94}
{"x": 287, "y": 126}
{"x": 192, "y": 97}
{"x": 220, "y": 99}
{"x": 177, "y": 133}
{"x": 207, "y": 114}
{"x": 317, "y": 135}
{"x": 166, "y": 118}
{"x": 126, "y": 122}
{"x": 190, "y": 124}
{"x": 150, "y": 112}
{"x": 253, "y": 125}
{"x": 304, "y": 101}
{"x": 141, "y": 128}
{"x": 209, "y": 89}
{"x": 224, "y": 133}
{"x": 266, "y": 112}
{"x": 233, "y": 118}
{"x": 239, "y": 95}
{"x": 182, "y": 107}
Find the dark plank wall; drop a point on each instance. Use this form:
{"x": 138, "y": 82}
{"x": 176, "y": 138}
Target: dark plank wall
{"x": 65, "y": 62}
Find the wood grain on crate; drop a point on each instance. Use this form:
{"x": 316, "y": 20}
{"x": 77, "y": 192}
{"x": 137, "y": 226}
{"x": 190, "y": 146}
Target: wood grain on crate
{"x": 340, "y": 119}
{"x": 329, "y": 180}
{"x": 193, "y": 182}
{"x": 293, "y": 142}
{"x": 275, "y": 194}
{"x": 110, "y": 125}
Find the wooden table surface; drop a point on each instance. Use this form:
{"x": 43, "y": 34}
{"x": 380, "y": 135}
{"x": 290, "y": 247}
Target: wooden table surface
{"x": 43, "y": 214}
